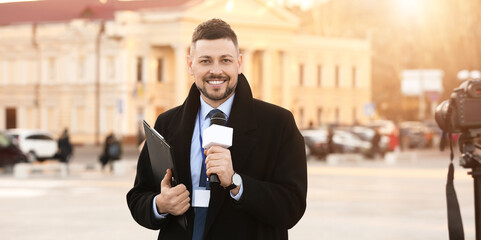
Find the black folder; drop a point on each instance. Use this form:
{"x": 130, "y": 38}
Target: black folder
{"x": 159, "y": 153}
{"x": 161, "y": 160}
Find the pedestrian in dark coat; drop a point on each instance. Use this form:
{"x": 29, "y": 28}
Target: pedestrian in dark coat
{"x": 112, "y": 150}
{"x": 65, "y": 147}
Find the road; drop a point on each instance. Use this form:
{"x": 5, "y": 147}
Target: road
{"x": 364, "y": 199}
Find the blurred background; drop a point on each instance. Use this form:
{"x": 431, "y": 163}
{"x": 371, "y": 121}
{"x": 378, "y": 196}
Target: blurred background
{"x": 362, "y": 78}
{"x": 101, "y": 66}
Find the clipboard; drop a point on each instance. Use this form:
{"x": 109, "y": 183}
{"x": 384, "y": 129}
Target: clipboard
{"x": 160, "y": 154}
{"x": 161, "y": 159}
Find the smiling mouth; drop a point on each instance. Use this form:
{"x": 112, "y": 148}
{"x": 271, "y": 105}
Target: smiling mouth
{"x": 215, "y": 82}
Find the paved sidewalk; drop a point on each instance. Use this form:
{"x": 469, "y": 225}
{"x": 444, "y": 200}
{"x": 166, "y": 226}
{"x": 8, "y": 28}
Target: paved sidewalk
{"x": 364, "y": 200}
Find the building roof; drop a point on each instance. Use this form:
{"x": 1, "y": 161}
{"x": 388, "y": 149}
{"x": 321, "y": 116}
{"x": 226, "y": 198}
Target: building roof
{"x": 65, "y": 10}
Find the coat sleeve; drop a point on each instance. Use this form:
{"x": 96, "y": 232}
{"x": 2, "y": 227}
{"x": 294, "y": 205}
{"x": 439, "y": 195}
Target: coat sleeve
{"x": 141, "y": 196}
{"x": 280, "y": 200}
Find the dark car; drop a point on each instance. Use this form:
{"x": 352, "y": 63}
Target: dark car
{"x": 316, "y": 142}
{"x": 9, "y": 153}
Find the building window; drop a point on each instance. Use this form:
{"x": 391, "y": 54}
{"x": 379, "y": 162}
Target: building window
{"x": 160, "y": 70}
{"x": 139, "y": 69}
{"x": 354, "y": 79}
{"x": 336, "y": 76}
{"x": 319, "y": 75}
{"x": 301, "y": 75}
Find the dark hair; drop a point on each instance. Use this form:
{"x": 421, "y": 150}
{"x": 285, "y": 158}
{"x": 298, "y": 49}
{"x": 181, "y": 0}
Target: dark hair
{"x": 214, "y": 29}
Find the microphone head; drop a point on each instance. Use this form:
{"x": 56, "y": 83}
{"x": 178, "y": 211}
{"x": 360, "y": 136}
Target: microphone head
{"x": 218, "y": 118}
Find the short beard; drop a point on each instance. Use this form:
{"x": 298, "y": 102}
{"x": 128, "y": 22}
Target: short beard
{"x": 228, "y": 90}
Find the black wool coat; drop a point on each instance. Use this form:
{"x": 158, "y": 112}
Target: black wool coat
{"x": 267, "y": 151}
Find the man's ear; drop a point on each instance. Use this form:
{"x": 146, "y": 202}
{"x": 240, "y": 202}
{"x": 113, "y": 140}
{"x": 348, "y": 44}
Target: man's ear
{"x": 239, "y": 63}
{"x": 189, "y": 65}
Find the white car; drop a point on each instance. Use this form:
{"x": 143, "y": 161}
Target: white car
{"x": 35, "y": 144}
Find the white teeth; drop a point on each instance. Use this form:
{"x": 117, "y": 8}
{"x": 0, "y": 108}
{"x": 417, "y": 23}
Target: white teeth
{"x": 215, "y": 82}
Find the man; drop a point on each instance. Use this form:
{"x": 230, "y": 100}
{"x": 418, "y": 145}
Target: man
{"x": 263, "y": 176}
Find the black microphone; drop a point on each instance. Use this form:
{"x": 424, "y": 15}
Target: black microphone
{"x": 217, "y": 118}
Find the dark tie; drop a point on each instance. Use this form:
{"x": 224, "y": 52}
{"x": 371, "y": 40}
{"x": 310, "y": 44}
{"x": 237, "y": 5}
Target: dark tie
{"x": 201, "y": 213}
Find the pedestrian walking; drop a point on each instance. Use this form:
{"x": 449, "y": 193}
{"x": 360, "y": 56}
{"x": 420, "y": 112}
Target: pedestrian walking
{"x": 65, "y": 148}
{"x": 112, "y": 151}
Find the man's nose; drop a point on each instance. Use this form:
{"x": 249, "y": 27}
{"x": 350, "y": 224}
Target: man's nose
{"x": 216, "y": 69}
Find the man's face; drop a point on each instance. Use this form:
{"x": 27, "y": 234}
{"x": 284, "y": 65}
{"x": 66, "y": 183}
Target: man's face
{"x": 215, "y": 64}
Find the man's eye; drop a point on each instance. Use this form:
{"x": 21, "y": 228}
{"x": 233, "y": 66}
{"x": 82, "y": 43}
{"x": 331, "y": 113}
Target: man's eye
{"x": 226, "y": 60}
{"x": 204, "y": 61}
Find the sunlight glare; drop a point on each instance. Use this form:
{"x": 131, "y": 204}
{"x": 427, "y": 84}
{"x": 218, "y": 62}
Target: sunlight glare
{"x": 408, "y": 7}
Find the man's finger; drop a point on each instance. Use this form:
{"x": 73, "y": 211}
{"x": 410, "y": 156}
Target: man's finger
{"x": 165, "y": 184}
{"x": 215, "y": 149}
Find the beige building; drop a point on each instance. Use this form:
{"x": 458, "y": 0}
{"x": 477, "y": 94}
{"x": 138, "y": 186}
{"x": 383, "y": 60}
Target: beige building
{"x": 96, "y": 76}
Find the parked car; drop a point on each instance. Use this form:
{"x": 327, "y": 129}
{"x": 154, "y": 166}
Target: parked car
{"x": 415, "y": 135}
{"x": 367, "y": 134}
{"x": 9, "y": 153}
{"x": 347, "y": 142}
{"x": 343, "y": 140}
{"x": 316, "y": 142}
{"x": 35, "y": 144}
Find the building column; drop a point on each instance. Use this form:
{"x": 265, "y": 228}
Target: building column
{"x": 267, "y": 69}
{"x": 247, "y": 61}
{"x": 181, "y": 77}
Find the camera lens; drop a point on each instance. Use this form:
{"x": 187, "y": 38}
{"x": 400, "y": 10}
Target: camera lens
{"x": 441, "y": 115}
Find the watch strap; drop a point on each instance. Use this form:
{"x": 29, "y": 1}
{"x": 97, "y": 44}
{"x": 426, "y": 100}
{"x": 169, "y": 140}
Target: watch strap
{"x": 230, "y": 187}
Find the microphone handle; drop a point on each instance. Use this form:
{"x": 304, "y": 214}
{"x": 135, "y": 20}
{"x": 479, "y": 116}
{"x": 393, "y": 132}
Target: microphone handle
{"x": 214, "y": 178}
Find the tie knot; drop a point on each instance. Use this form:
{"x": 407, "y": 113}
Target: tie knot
{"x": 213, "y": 111}
{"x": 217, "y": 117}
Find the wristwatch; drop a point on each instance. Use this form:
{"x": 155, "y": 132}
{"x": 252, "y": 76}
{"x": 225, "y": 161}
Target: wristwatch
{"x": 236, "y": 181}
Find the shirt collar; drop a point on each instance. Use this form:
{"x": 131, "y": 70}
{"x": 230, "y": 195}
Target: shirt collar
{"x": 225, "y": 107}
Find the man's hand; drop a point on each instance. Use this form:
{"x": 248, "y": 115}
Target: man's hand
{"x": 218, "y": 160}
{"x": 173, "y": 200}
